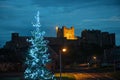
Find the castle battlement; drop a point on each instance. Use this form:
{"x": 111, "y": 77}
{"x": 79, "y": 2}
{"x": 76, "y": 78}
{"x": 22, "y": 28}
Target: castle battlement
{"x": 65, "y": 32}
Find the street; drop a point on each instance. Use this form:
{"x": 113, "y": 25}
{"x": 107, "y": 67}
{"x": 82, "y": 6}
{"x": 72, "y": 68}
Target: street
{"x": 84, "y": 72}
{"x": 91, "y": 76}
{"x": 76, "y": 75}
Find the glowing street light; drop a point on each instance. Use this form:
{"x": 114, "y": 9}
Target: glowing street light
{"x": 63, "y": 50}
{"x": 94, "y": 57}
{"x": 56, "y": 28}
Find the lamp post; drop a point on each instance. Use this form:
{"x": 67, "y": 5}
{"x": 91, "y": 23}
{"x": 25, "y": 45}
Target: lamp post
{"x": 95, "y": 61}
{"x": 60, "y": 52}
{"x": 94, "y": 57}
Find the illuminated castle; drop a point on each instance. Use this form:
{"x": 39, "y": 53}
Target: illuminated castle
{"x": 82, "y": 47}
{"x": 65, "y": 32}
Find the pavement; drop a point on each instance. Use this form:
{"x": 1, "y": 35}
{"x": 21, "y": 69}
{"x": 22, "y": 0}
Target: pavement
{"x": 91, "y": 76}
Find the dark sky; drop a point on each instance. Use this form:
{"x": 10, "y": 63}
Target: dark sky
{"x": 18, "y": 16}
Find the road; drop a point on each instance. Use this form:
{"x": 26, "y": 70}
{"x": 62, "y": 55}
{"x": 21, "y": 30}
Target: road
{"x": 83, "y": 72}
{"x": 80, "y": 73}
{"x": 91, "y": 76}
{"x": 76, "y": 75}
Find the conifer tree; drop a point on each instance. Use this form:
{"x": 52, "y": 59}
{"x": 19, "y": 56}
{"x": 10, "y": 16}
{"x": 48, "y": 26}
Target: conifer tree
{"x": 37, "y": 57}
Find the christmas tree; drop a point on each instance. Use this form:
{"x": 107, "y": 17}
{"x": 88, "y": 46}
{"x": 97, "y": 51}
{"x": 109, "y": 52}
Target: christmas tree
{"x": 37, "y": 57}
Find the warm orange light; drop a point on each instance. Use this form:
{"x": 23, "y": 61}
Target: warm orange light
{"x": 64, "y": 49}
{"x": 94, "y": 57}
{"x": 56, "y": 28}
{"x": 69, "y": 33}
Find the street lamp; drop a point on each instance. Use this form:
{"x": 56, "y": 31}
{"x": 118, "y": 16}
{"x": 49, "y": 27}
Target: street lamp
{"x": 64, "y": 50}
{"x": 95, "y": 61}
{"x": 60, "y": 52}
{"x": 94, "y": 57}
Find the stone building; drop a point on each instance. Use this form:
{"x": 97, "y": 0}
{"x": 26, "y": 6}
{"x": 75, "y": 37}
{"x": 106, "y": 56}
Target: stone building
{"x": 68, "y": 33}
{"x": 99, "y": 38}
{"x": 66, "y": 36}
{"x": 79, "y": 48}
{"x": 91, "y": 37}
{"x": 108, "y": 39}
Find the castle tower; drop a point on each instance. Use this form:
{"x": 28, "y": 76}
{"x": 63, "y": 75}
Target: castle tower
{"x": 68, "y": 33}
{"x": 15, "y": 36}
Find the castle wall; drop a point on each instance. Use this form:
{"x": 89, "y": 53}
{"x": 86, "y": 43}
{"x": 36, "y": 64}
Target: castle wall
{"x": 68, "y": 33}
{"x": 76, "y": 47}
{"x": 98, "y": 37}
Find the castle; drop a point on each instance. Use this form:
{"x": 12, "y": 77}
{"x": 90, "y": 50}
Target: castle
{"x": 66, "y": 36}
{"x": 97, "y": 37}
{"x": 68, "y": 33}
{"x": 79, "y": 48}
{"x": 87, "y": 36}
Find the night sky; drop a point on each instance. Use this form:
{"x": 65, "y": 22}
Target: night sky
{"x": 18, "y": 16}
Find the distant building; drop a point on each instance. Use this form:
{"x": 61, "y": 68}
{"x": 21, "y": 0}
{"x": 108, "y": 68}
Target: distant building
{"x": 98, "y": 37}
{"x": 17, "y": 42}
{"x": 116, "y": 54}
{"x": 112, "y": 56}
{"x": 91, "y": 37}
{"x": 108, "y": 39}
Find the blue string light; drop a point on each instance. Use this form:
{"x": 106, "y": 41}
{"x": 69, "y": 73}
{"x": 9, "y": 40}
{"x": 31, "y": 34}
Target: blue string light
{"x": 37, "y": 57}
